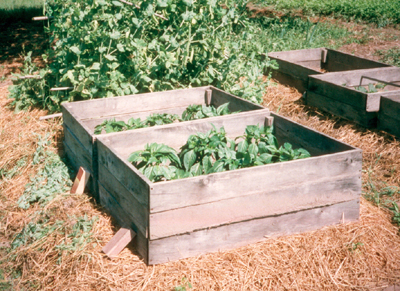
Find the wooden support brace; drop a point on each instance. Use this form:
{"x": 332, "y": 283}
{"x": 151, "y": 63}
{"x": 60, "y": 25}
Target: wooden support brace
{"x": 208, "y": 97}
{"x": 42, "y": 18}
{"x": 50, "y": 116}
{"x": 80, "y": 181}
{"x": 269, "y": 121}
{"x": 62, "y": 88}
{"x": 118, "y": 242}
{"x": 324, "y": 53}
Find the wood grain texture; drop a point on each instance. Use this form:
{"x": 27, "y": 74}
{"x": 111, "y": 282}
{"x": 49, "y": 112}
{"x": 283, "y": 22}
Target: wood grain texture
{"x": 81, "y": 155}
{"x": 219, "y": 186}
{"x": 79, "y": 130}
{"x": 283, "y": 199}
{"x": 339, "y": 61}
{"x": 317, "y": 143}
{"x": 104, "y": 108}
{"x": 118, "y": 242}
{"x": 240, "y": 234}
{"x": 138, "y": 210}
{"x": 349, "y": 112}
{"x": 76, "y": 164}
{"x": 134, "y": 181}
{"x": 140, "y": 241}
{"x": 390, "y": 105}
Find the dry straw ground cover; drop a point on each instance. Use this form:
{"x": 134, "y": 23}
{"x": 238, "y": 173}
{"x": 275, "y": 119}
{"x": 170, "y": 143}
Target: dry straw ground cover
{"x": 356, "y": 256}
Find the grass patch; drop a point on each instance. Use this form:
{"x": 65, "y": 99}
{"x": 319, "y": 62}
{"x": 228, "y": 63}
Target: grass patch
{"x": 381, "y": 12}
{"x": 391, "y": 56}
{"x": 20, "y": 9}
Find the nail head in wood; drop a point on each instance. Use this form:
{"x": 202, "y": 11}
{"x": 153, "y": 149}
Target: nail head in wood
{"x": 118, "y": 242}
{"x": 80, "y": 181}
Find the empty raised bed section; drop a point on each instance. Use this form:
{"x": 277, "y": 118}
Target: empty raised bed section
{"x": 354, "y": 95}
{"x": 192, "y": 216}
{"x": 81, "y": 118}
{"x": 295, "y": 66}
{"x": 389, "y": 114}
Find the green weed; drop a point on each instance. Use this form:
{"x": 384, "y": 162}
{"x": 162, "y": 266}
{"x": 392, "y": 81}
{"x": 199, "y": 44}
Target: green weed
{"x": 52, "y": 178}
{"x": 391, "y": 56}
{"x": 185, "y": 285}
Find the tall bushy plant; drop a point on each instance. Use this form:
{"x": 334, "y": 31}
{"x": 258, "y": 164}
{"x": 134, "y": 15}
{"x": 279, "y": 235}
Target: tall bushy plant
{"x": 105, "y": 48}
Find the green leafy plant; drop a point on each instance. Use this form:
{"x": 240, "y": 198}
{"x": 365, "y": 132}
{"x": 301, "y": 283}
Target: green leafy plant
{"x": 213, "y": 152}
{"x": 51, "y": 179}
{"x": 191, "y": 112}
{"x": 185, "y": 285}
{"x": 371, "y": 88}
{"x": 156, "y": 161}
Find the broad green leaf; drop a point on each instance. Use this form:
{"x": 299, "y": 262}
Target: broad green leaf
{"x": 75, "y": 50}
{"x": 243, "y": 146}
{"x": 189, "y": 159}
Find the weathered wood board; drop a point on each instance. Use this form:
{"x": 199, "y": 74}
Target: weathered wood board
{"x": 389, "y": 114}
{"x": 336, "y": 93}
{"x": 295, "y": 66}
{"x": 246, "y": 203}
{"x": 81, "y": 118}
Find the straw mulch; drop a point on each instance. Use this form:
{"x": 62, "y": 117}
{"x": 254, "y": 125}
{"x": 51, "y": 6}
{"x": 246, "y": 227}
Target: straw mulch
{"x": 364, "y": 255}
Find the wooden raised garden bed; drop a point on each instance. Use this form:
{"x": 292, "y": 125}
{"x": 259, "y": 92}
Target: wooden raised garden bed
{"x": 192, "y": 216}
{"x": 295, "y": 66}
{"x": 340, "y": 93}
{"x": 389, "y": 114}
{"x": 81, "y": 118}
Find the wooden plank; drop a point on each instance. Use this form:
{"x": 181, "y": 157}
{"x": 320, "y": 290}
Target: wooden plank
{"x": 220, "y": 97}
{"x": 82, "y": 156}
{"x": 240, "y": 234}
{"x": 80, "y": 181}
{"x": 335, "y": 91}
{"x": 75, "y": 164}
{"x": 339, "y": 61}
{"x": 297, "y": 55}
{"x": 118, "y": 242}
{"x": 358, "y": 115}
{"x": 136, "y": 103}
{"x": 136, "y": 184}
{"x": 176, "y": 135}
{"x": 80, "y": 132}
{"x": 243, "y": 182}
{"x": 315, "y": 142}
{"x": 140, "y": 241}
{"x": 390, "y": 105}
{"x": 137, "y": 210}
{"x": 286, "y": 198}
{"x": 389, "y": 124}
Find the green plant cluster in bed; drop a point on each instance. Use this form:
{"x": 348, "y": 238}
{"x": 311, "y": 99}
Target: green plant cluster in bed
{"x": 192, "y": 112}
{"x": 371, "y": 88}
{"x": 213, "y": 152}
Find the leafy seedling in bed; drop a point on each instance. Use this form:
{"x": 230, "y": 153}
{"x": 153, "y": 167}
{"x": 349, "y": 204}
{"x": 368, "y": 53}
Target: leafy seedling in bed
{"x": 193, "y": 112}
{"x": 160, "y": 119}
{"x": 115, "y": 126}
{"x": 371, "y": 88}
{"x": 157, "y": 162}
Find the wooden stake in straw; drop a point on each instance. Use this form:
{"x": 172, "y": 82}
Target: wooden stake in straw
{"x": 118, "y": 242}
{"x": 37, "y": 18}
{"x": 80, "y": 181}
{"x": 50, "y": 116}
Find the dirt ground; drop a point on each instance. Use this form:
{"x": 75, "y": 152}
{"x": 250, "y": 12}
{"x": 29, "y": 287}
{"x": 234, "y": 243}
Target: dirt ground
{"x": 357, "y": 256}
